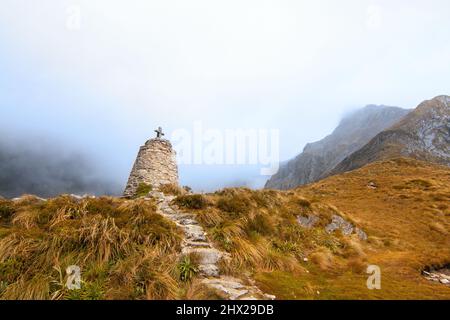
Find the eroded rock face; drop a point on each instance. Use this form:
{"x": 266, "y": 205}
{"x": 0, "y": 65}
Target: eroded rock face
{"x": 319, "y": 158}
{"x": 155, "y": 165}
{"x": 337, "y": 223}
{"x": 423, "y": 134}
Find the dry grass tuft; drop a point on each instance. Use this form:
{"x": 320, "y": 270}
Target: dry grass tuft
{"x": 124, "y": 249}
{"x": 191, "y": 201}
{"x": 323, "y": 258}
{"x": 172, "y": 189}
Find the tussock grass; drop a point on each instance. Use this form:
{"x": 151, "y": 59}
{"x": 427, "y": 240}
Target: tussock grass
{"x": 124, "y": 248}
{"x": 142, "y": 190}
{"x": 172, "y": 189}
{"x": 323, "y": 258}
{"x": 191, "y": 201}
{"x": 259, "y": 229}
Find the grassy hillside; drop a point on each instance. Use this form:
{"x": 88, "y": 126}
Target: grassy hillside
{"x": 128, "y": 251}
{"x": 403, "y": 205}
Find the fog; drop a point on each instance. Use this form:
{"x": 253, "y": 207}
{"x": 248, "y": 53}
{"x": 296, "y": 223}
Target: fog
{"x": 97, "y": 77}
{"x": 46, "y": 168}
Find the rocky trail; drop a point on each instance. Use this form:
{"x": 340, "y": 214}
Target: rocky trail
{"x": 196, "y": 241}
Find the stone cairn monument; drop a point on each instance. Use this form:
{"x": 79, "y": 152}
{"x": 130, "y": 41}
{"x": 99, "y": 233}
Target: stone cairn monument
{"x": 155, "y": 165}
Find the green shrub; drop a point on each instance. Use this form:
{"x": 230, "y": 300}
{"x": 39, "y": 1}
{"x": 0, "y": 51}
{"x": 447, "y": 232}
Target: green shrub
{"x": 219, "y": 235}
{"x": 261, "y": 224}
{"x": 304, "y": 203}
{"x": 143, "y": 189}
{"x": 235, "y": 204}
{"x": 192, "y": 201}
{"x": 88, "y": 291}
{"x": 6, "y": 211}
{"x": 11, "y": 269}
{"x": 187, "y": 268}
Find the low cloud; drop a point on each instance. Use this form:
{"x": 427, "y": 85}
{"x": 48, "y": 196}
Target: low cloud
{"x": 46, "y": 168}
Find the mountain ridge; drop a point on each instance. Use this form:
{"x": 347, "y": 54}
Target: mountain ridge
{"x": 320, "y": 157}
{"x": 423, "y": 134}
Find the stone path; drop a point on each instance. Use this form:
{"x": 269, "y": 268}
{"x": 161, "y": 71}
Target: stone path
{"x": 196, "y": 241}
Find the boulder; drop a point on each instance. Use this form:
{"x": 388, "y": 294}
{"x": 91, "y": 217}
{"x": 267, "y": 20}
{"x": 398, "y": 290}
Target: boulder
{"x": 307, "y": 222}
{"x": 361, "y": 234}
{"x": 347, "y": 228}
{"x": 338, "y": 222}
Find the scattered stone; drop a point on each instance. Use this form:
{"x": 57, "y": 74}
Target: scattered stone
{"x": 361, "y": 234}
{"x": 209, "y": 270}
{"x": 194, "y": 232}
{"x": 187, "y": 221}
{"x": 440, "y": 276}
{"x": 347, "y": 228}
{"x": 307, "y": 222}
{"x": 233, "y": 289}
{"x": 197, "y": 244}
{"x": 372, "y": 185}
{"x": 305, "y": 259}
{"x": 337, "y": 222}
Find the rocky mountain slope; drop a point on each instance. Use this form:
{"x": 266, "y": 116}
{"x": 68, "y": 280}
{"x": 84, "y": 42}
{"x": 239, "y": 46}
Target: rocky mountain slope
{"x": 319, "y": 158}
{"x": 423, "y": 134}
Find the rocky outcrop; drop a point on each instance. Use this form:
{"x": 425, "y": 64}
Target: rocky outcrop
{"x": 308, "y": 222}
{"x": 155, "y": 165}
{"x": 423, "y": 134}
{"x": 319, "y": 158}
{"x": 336, "y": 223}
{"x": 196, "y": 242}
{"x": 346, "y": 227}
{"x": 439, "y": 275}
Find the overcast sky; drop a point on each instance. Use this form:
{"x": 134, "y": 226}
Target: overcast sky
{"x": 104, "y": 84}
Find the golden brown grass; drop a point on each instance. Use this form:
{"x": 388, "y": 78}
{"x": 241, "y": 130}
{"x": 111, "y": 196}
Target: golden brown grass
{"x": 124, "y": 248}
{"x": 171, "y": 189}
{"x": 127, "y": 251}
{"x": 408, "y": 223}
{"x": 259, "y": 229}
{"x": 406, "y": 216}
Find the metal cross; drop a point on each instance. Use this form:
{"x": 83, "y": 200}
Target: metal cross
{"x": 159, "y": 133}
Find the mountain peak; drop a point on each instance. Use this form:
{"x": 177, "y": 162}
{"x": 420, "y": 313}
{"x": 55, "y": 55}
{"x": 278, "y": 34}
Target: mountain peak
{"x": 423, "y": 134}
{"x": 318, "y": 158}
